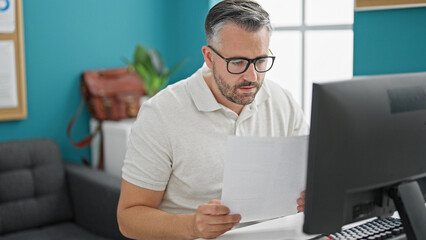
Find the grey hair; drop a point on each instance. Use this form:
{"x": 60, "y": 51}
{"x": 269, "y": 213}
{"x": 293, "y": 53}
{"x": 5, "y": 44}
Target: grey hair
{"x": 246, "y": 14}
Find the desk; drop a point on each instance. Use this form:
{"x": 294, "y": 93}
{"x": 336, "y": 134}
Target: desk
{"x": 289, "y": 227}
{"x": 285, "y": 228}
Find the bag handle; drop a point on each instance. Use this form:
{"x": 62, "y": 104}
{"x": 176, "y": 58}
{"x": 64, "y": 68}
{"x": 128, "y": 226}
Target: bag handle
{"x": 87, "y": 140}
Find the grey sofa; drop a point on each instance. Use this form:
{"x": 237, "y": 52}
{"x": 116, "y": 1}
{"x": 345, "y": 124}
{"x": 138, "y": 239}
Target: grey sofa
{"x": 41, "y": 197}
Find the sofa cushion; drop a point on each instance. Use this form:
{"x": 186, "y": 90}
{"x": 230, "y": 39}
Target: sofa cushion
{"x": 32, "y": 185}
{"x": 63, "y": 231}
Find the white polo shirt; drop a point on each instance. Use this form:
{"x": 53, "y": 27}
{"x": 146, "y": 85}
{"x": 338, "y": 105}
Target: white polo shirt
{"x": 178, "y": 141}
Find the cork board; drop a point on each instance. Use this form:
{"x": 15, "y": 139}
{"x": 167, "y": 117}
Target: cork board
{"x": 13, "y": 99}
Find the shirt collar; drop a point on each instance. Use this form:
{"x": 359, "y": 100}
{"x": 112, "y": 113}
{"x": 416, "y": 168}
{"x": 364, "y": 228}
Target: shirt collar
{"x": 205, "y": 100}
{"x": 201, "y": 93}
{"x": 263, "y": 94}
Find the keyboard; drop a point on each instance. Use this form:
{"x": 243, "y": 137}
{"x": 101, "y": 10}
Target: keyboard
{"x": 378, "y": 229}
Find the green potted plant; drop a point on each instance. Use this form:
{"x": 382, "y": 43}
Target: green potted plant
{"x": 149, "y": 65}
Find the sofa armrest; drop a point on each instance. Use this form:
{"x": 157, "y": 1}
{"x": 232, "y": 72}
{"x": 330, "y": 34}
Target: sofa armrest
{"x": 94, "y": 196}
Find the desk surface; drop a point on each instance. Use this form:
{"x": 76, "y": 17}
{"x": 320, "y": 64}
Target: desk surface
{"x": 289, "y": 227}
{"x": 285, "y": 228}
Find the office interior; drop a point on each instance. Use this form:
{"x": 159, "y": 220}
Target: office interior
{"x": 65, "y": 38}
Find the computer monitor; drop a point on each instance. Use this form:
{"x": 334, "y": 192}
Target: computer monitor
{"x": 367, "y": 151}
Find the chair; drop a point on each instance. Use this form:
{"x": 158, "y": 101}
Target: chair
{"x": 41, "y": 197}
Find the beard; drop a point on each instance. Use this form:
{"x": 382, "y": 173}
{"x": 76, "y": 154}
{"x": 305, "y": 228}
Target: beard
{"x": 231, "y": 92}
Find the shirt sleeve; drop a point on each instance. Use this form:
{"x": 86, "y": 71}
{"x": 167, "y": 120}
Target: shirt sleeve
{"x": 148, "y": 161}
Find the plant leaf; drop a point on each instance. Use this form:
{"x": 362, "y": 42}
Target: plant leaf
{"x": 150, "y": 66}
{"x": 141, "y": 56}
{"x": 144, "y": 74}
{"x": 157, "y": 62}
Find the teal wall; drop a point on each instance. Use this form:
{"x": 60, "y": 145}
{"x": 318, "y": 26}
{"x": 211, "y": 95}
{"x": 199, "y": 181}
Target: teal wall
{"x": 64, "y": 38}
{"x": 390, "y": 41}
{"x": 185, "y": 34}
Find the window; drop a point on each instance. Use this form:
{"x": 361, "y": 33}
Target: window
{"x": 313, "y": 42}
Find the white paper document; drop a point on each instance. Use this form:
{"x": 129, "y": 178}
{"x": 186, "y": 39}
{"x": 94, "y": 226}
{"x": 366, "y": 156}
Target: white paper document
{"x": 8, "y": 84}
{"x": 7, "y": 16}
{"x": 264, "y": 176}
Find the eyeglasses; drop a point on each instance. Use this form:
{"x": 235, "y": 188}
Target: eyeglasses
{"x": 240, "y": 65}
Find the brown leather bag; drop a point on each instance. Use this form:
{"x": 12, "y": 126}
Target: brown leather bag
{"x": 112, "y": 95}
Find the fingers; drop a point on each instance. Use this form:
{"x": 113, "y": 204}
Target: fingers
{"x": 215, "y": 201}
{"x": 213, "y": 209}
{"x": 214, "y": 226}
{"x": 213, "y": 219}
{"x": 300, "y": 205}
{"x": 216, "y": 223}
{"x": 222, "y": 219}
{"x": 300, "y": 201}
{"x": 216, "y": 214}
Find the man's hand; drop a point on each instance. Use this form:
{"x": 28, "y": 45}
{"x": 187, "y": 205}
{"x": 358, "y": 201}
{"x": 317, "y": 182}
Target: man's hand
{"x": 301, "y": 202}
{"x": 213, "y": 219}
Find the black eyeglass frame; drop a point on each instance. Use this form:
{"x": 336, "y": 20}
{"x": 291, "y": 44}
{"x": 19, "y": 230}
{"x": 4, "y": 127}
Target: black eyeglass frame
{"x": 249, "y": 61}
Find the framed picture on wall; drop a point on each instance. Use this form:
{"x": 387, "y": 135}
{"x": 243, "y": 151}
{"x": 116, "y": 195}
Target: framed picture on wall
{"x": 366, "y": 5}
{"x": 13, "y": 99}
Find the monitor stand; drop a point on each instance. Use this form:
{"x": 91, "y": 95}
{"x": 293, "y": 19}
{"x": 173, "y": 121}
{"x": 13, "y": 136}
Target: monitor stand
{"x": 410, "y": 203}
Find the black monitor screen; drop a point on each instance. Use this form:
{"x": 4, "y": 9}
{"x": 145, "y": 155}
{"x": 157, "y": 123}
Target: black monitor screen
{"x": 368, "y": 136}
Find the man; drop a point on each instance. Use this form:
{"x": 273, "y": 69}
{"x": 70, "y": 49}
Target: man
{"x": 172, "y": 173}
